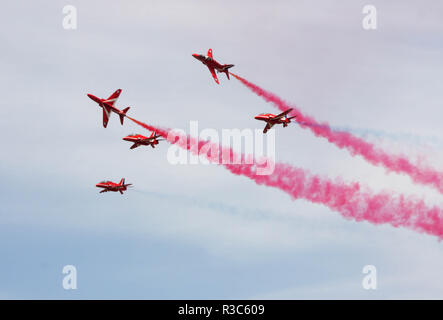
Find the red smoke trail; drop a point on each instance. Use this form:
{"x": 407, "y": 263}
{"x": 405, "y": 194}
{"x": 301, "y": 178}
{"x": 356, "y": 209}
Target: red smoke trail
{"x": 210, "y": 150}
{"x": 160, "y": 131}
{"x": 352, "y": 201}
{"x": 356, "y": 145}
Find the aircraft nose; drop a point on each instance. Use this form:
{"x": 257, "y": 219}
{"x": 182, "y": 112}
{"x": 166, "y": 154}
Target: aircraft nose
{"x": 195, "y": 55}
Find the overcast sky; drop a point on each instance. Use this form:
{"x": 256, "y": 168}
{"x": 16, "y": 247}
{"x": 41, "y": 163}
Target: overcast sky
{"x": 196, "y": 231}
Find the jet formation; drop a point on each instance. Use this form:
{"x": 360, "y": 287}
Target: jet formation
{"x": 108, "y": 107}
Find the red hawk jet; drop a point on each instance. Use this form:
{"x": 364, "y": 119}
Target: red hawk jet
{"x": 213, "y": 65}
{"x": 272, "y": 119}
{"x": 108, "y": 106}
{"x": 140, "y": 140}
{"x": 112, "y": 186}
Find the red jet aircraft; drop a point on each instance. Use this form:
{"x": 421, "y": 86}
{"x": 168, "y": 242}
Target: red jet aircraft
{"x": 112, "y": 186}
{"x": 140, "y": 140}
{"x": 272, "y": 119}
{"x": 108, "y": 106}
{"x": 213, "y": 65}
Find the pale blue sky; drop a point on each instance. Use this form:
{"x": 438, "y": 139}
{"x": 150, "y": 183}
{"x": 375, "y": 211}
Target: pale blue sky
{"x": 197, "y": 231}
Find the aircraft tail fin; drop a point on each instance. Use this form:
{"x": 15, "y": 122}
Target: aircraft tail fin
{"x": 122, "y": 181}
{"x": 226, "y": 67}
{"x": 123, "y": 114}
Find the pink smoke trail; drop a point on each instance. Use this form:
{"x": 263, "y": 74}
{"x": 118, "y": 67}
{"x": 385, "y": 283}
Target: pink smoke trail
{"x": 351, "y": 200}
{"x": 357, "y": 146}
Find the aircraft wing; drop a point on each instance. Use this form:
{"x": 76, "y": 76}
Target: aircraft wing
{"x": 268, "y": 126}
{"x": 106, "y": 115}
{"x": 214, "y": 75}
{"x": 135, "y": 145}
{"x": 281, "y": 115}
{"x": 149, "y": 139}
{"x": 113, "y": 97}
